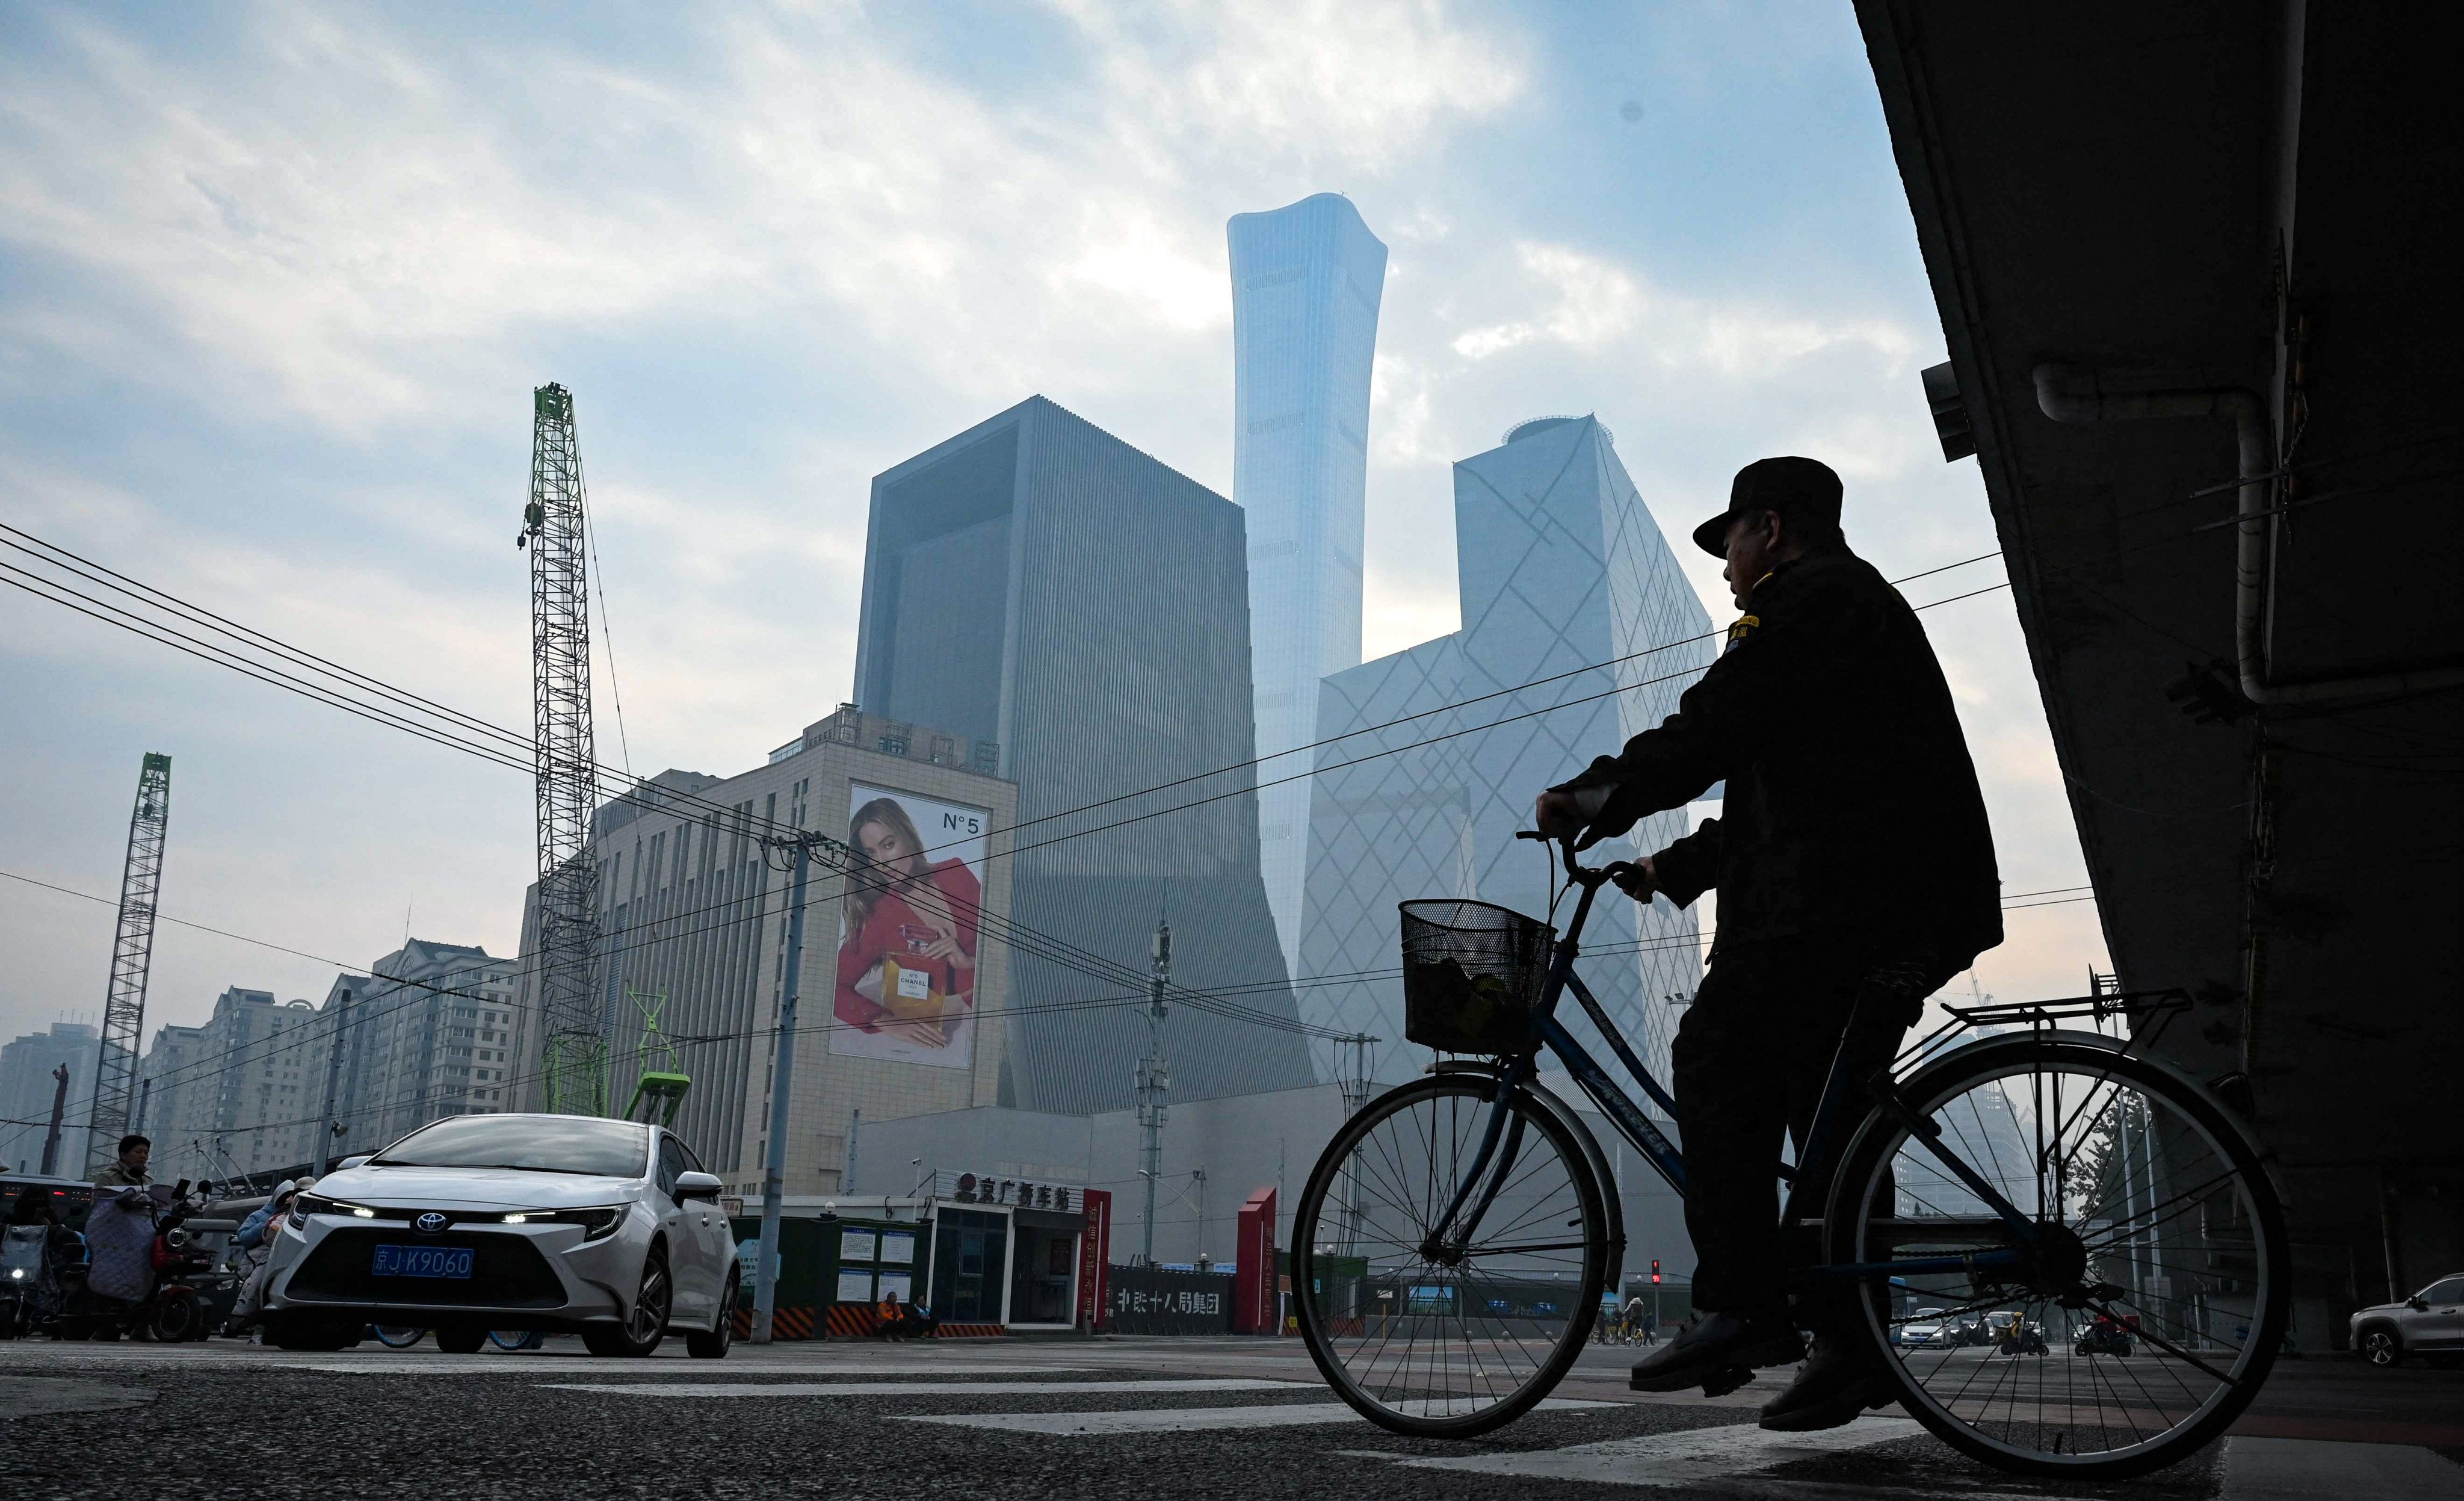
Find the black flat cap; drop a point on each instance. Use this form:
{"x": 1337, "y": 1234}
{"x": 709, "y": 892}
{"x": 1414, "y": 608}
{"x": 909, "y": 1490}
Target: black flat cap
{"x": 1801, "y": 489}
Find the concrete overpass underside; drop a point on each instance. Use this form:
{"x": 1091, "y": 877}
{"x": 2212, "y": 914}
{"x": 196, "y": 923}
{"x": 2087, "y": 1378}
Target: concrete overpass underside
{"x": 2168, "y": 197}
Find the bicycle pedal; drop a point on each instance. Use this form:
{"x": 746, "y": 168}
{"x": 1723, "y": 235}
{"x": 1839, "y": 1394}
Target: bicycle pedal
{"x": 1725, "y": 1379}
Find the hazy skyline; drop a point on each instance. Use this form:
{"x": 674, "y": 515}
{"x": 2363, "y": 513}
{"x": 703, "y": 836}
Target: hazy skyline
{"x": 276, "y": 280}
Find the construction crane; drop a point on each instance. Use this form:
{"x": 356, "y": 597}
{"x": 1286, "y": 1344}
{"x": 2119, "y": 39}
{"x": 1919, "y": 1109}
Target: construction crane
{"x": 661, "y": 1090}
{"x": 132, "y": 956}
{"x": 564, "y": 761}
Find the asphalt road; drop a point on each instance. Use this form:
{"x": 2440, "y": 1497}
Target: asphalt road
{"x": 1014, "y": 1419}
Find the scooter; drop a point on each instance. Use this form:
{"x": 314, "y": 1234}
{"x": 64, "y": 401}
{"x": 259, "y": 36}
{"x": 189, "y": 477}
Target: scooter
{"x": 175, "y": 1310}
{"x": 2106, "y": 1335}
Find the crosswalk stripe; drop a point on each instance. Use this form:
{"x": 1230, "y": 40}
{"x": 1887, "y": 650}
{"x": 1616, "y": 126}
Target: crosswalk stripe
{"x": 1172, "y": 1420}
{"x": 1665, "y": 1461}
{"x": 413, "y": 1364}
{"x": 923, "y": 1388}
{"x": 2300, "y": 1470}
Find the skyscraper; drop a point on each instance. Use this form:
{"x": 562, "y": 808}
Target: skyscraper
{"x": 1037, "y": 584}
{"x": 26, "y": 1090}
{"x": 1561, "y": 567}
{"x": 1306, "y": 283}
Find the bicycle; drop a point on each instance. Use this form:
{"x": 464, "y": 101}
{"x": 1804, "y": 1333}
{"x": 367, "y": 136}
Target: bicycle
{"x": 2057, "y": 1172}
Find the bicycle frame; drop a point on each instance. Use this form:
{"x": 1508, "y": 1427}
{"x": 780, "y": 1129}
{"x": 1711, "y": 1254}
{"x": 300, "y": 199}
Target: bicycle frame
{"x": 1838, "y": 1092}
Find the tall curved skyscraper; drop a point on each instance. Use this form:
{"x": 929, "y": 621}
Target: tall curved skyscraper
{"x": 1306, "y": 283}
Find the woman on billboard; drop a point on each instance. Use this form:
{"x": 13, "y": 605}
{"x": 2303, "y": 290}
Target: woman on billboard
{"x": 906, "y": 963}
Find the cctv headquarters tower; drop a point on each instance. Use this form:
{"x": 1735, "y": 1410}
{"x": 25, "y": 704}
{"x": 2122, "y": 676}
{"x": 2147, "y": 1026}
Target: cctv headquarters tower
{"x": 1579, "y": 631}
{"x": 1306, "y": 283}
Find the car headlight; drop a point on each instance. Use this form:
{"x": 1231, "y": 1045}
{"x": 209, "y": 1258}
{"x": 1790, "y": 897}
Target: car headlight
{"x": 303, "y": 1205}
{"x": 596, "y": 1223}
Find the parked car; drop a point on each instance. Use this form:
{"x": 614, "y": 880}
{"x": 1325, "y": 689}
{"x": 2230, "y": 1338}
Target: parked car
{"x": 1925, "y": 1328}
{"x": 2428, "y": 1323}
{"x": 564, "y": 1223}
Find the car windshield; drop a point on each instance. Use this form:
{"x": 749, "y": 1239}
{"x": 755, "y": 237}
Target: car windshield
{"x": 536, "y": 1143}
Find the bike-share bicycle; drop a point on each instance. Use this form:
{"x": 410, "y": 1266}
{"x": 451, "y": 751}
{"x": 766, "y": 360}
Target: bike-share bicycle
{"x": 1453, "y": 1241}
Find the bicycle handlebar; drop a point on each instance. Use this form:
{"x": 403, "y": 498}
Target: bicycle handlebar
{"x": 1583, "y": 875}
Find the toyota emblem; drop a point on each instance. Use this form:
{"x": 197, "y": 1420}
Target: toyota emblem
{"x": 431, "y": 1224}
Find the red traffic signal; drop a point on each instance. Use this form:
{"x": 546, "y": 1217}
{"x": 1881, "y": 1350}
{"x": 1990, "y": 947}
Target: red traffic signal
{"x": 1655, "y": 1269}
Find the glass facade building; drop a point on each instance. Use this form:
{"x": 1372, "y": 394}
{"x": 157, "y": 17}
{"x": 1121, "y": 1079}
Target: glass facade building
{"x": 1035, "y": 583}
{"x": 1561, "y": 567}
{"x": 1306, "y": 284}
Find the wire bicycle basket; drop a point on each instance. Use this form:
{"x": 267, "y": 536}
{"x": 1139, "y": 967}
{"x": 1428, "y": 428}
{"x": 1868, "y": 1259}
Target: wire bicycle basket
{"x": 1472, "y": 975}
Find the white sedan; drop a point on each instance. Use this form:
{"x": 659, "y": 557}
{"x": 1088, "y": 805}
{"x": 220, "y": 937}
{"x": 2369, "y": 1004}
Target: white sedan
{"x": 567, "y": 1224}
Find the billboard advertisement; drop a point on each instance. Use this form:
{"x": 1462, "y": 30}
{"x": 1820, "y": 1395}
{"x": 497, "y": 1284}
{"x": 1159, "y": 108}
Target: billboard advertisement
{"x": 908, "y": 930}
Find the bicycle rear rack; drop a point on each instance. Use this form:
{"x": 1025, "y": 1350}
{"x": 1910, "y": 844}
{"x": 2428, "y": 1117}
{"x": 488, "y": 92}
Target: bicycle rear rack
{"x": 2137, "y": 1009}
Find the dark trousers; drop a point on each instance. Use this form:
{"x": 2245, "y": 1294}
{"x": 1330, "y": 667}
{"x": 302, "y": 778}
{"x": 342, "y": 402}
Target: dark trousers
{"x": 1750, "y": 1060}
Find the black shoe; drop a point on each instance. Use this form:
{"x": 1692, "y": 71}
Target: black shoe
{"x": 1718, "y": 1343}
{"x": 1838, "y": 1382}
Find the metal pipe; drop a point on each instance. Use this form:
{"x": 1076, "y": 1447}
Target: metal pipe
{"x": 2076, "y": 393}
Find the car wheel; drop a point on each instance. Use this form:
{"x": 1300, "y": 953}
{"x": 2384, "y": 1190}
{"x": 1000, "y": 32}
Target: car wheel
{"x": 642, "y": 1331}
{"x": 712, "y": 1344}
{"x": 2381, "y": 1349}
{"x": 461, "y": 1338}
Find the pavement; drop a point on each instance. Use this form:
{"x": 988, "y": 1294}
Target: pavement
{"x": 1017, "y": 1418}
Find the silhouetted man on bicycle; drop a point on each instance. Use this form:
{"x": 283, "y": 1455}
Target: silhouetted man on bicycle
{"x": 1856, "y": 875}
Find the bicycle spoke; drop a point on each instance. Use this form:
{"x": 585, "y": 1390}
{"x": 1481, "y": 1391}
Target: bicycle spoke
{"x": 1485, "y": 1327}
{"x": 2159, "y": 1215}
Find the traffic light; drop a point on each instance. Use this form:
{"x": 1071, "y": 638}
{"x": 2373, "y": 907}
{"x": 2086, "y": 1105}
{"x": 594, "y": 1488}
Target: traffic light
{"x": 1655, "y": 1269}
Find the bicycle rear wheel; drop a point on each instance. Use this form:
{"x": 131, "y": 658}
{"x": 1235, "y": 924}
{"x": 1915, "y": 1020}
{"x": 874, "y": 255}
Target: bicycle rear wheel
{"x": 1446, "y": 1335}
{"x": 2152, "y": 1300}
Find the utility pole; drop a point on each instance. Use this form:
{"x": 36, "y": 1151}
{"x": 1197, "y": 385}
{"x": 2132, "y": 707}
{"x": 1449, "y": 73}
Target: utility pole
{"x": 325, "y": 1122}
{"x": 144, "y": 1092}
{"x": 60, "y": 1108}
{"x": 783, "y": 1070}
{"x": 1154, "y": 1081}
{"x": 132, "y": 956}
{"x": 565, "y": 761}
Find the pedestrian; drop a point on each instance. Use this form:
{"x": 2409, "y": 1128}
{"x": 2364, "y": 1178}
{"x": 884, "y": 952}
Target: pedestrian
{"x": 259, "y": 1234}
{"x": 127, "y": 1170}
{"x": 1650, "y": 1327}
{"x": 252, "y": 1230}
{"x": 120, "y": 1232}
{"x": 1855, "y": 875}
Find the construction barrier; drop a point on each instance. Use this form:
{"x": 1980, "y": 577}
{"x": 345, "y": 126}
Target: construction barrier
{"x": 785, "y": 1323}
{"x": 856, "y": 1320}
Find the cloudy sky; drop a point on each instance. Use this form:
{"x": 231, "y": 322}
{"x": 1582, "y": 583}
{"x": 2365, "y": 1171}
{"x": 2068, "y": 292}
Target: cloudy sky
{"x": 277, "y": 279}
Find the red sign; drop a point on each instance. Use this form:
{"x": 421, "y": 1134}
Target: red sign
{"x": 1094, "y": 1259}
{"x": 1256, "y": 1310}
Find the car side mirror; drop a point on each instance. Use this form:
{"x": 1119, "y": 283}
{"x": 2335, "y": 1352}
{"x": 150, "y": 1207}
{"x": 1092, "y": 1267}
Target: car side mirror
{"x": 2417, "y": 1304}
{"x": 349, "y": 1163}
{"x": 696, "y": 1186}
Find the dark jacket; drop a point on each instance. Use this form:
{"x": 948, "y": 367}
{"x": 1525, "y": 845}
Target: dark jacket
{"x": 1851, "y": 812}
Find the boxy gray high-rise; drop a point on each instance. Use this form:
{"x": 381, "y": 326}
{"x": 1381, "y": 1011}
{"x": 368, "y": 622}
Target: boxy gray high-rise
{"x": 1036, "y": 583}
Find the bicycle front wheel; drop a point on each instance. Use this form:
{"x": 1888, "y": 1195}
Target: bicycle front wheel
{"x": 2150, "y": 1295}
{"x": 1439, "y": 1327}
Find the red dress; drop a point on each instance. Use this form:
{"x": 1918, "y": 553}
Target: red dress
{"x": 892, "y": 928}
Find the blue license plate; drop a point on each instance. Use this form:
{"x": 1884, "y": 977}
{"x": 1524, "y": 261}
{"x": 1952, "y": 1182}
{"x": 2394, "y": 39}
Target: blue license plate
{"x": 424, "y": 1260}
